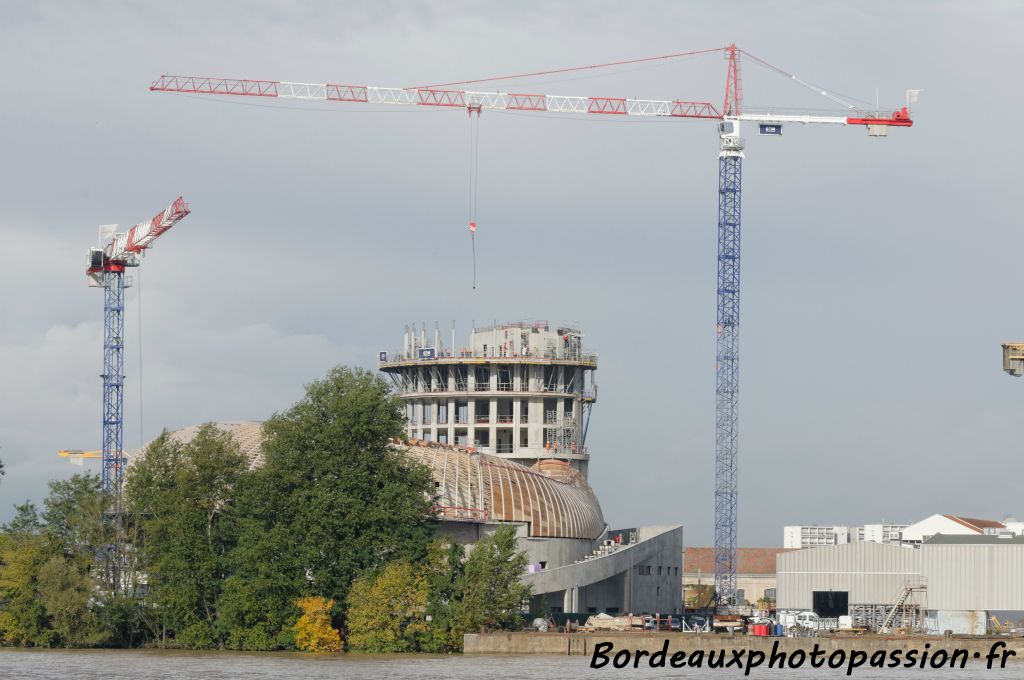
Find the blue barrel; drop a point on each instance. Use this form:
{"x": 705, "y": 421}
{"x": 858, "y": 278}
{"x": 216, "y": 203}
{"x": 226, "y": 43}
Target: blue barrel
{"x": 778, "y": 629}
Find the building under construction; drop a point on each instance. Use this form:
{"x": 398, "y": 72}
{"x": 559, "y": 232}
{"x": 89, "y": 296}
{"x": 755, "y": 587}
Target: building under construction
{"x": 522, "y": 394}
{"x": 521, "y": 391}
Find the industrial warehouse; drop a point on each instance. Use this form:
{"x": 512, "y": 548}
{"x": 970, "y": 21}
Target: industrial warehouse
{"x": 962, "y": 583}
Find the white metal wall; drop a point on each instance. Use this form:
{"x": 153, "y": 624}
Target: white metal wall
{"x": 872, "y": 573}
{"x": 974, "y": 576}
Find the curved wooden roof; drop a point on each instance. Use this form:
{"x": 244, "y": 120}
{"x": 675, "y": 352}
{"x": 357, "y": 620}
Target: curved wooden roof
{"x": 552, "y": 498}
{"x": 479, "y": 487}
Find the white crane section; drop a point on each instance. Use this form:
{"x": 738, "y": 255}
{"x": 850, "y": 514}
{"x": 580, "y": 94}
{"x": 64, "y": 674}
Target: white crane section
{"x": 123, "y": 249}
{"x": 500, "y": 101}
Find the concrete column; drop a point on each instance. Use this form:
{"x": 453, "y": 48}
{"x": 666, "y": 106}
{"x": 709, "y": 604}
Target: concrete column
{"x": 627, "y": 596}
{"x": 493, "y": 428}
{"x": 451, "y": 421}
{"x": 536, "y": 424}
{"x": 515, "y": 425}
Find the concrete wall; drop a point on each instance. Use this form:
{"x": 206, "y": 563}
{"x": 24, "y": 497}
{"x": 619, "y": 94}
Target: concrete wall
{"x": 645, "y": 576}
{"x": 555, "y": 552}
{"x": 872, "y": 573}
{"x": 960, "y": 622}
{"x": 583, "y": 644}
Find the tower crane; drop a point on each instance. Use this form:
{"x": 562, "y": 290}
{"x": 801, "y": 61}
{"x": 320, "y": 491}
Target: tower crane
{"x": 106, "y": 268}
{"x": 729, "y": 116}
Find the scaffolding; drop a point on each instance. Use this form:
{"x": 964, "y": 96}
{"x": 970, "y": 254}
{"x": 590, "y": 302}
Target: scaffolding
{"x": 907, "y": 613}
{"x": 561, "y": 436}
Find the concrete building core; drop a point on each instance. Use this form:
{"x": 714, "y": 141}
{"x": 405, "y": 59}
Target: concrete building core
{"x": 522, "y": 391}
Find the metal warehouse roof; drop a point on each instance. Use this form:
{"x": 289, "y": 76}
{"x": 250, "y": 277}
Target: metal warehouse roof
{"x": 988, "y": 539}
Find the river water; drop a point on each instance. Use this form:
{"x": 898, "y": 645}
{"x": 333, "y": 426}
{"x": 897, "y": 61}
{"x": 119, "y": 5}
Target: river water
{"x": 151, "y": 664}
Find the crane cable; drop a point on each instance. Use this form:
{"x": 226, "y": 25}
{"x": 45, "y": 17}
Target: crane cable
{"x": 474, "y": 172}
{"x": 588, "y": 67}
{"x": 138, "y": 276}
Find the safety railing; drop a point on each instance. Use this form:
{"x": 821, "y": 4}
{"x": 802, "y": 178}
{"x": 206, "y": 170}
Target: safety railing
{"x": 496, "y": 353}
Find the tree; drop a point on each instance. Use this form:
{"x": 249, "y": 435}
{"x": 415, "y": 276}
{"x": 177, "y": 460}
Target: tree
{"x": 313, "y": 631}
{"x": 179, "y": 496}
{"x": 387, "y": 612}
{"x": 48, "y": 568}
{"x": 492, "y": 593}
{"x": 66, "y": 592}
{"x": 444, "y": 572}
{"x": 23, "y": 549}
{"x": 332, "y": 500}
{"x": 73, "y": 517}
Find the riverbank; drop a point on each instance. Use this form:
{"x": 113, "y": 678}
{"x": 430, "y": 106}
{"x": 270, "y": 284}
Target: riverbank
{"x": 584, "y": 644}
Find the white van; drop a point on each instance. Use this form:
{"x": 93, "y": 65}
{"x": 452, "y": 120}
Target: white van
{"x": 806, "y": 619}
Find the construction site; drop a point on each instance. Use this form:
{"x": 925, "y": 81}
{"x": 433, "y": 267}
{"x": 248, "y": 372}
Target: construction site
{"x": 522, "y": 391}
{"x": 499, "y": 412}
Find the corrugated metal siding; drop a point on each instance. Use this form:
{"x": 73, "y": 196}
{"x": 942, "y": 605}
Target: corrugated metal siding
{"x": 963, "y": 577}
{"x": 872, "y": 573}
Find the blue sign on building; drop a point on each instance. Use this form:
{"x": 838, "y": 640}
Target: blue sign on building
{"x": 383, "y": 356}
{"x": 770, "y": 129}
{"x": 427, "y": 353}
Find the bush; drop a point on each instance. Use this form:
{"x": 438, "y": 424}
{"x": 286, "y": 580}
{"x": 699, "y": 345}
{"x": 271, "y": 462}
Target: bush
{"x": 313, "y": 631}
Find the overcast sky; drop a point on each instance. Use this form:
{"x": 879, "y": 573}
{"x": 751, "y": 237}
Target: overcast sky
{"x": 879, "y": 276}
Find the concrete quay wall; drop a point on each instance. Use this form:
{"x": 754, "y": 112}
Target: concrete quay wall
{"x": 582, "y": 644}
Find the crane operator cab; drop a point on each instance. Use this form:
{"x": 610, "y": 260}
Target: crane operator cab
{"x": 729, "y": 131}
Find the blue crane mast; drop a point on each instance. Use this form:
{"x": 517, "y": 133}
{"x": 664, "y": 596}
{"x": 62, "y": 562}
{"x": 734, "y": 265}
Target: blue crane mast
{"x": 727, "y": 364}
{"x": 106, "y": 269}
{"x": 727, "y": 387}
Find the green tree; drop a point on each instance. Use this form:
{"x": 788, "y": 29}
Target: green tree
{"x": 49, "y": 565}
{"x": 23, "y": 549}
{"x": 179, "y": 497}
{"x": 332, "y": 501}
{"x": 65, "y": 592}
{"x": 73, "y": 518}
{"x": 444, "y": 572}
{"x": 492, "y": 593}
{"x": 387, "y": 612}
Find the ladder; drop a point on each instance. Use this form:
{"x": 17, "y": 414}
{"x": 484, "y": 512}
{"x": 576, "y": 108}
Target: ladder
{"x": 898, "y": 608}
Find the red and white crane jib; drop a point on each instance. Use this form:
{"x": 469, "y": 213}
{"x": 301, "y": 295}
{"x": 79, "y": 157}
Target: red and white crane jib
{"x": 123, "y": 249}
{"x": 501, "y": 101}
{"x": 138, "y": 238}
